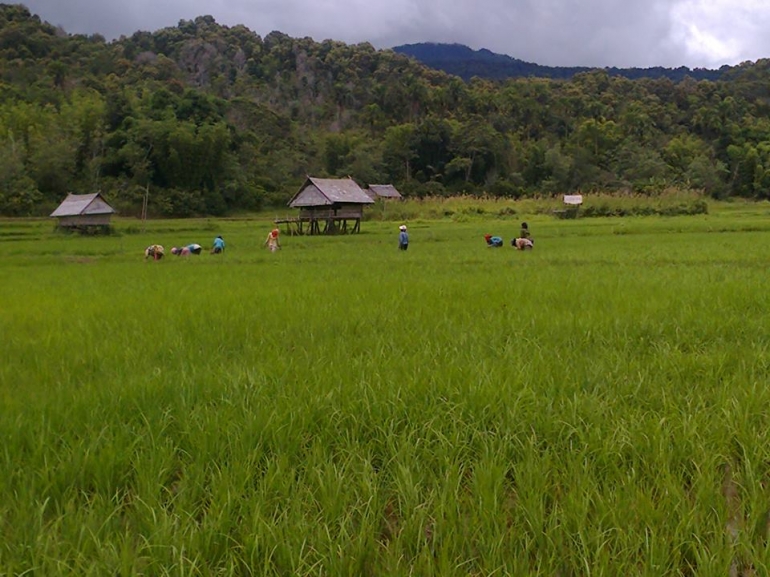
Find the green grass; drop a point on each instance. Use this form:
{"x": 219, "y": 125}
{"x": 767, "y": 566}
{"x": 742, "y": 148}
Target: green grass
{"x": 598, "y": 406}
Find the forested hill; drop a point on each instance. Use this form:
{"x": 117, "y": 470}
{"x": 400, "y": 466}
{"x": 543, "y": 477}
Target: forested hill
{"x": 216, "y": 119}
{"x": 466, "y": 63}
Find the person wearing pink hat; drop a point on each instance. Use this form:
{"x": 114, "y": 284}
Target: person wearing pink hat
{"x": 187, "y": 250}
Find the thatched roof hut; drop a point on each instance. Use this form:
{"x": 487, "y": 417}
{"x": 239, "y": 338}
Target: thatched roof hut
{"x": 385, "y": 191}
{"x": 329, "y": 193}
{"x": 84, "y": 211}
{"x": 331, "y": 201}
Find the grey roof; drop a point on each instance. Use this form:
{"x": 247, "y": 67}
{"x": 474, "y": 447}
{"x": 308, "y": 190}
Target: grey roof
{"x": 79, "y": 204}
{"x": 328, "y": 191}
{"x": 384, "y": 191}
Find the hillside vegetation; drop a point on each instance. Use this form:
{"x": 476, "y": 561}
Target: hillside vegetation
{"x": 215, "y": 119}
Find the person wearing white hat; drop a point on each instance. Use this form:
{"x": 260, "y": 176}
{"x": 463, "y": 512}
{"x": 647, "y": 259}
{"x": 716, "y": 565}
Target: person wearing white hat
{"x": 403, "y": 238}
{"x": 154, "y": 251}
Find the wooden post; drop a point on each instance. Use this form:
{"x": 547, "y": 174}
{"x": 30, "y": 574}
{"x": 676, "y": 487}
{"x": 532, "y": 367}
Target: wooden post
{"x": 145, "y": 202}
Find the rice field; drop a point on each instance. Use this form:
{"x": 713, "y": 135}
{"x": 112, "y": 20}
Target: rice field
{"x": 598, "y": 406}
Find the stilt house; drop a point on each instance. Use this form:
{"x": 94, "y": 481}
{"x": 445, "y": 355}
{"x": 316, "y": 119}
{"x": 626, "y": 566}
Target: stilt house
{"x": 328, "y": 206}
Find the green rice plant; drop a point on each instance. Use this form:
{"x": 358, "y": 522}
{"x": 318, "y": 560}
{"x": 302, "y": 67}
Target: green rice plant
{"x": 594, "y": 406}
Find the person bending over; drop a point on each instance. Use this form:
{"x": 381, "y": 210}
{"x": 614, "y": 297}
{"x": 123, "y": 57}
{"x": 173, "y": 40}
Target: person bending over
{"x": 187, "y": 250}
{"x": 219, "y": 245}
{"x": 154, "y": 251}
{"x": 522, "y": 244}
{"x": 493, "y": 241}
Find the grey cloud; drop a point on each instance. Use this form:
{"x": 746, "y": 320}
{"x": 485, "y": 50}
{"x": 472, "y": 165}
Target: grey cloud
{"x": 553, "y": 32}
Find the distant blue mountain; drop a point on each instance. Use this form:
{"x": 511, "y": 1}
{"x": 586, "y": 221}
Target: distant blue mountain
{"x": 466, "y": 63}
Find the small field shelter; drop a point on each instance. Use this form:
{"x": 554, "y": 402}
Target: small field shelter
{"x": 384, "y": 191}
{"x": 327, "y": 206}
{"x": 84, "y": 212}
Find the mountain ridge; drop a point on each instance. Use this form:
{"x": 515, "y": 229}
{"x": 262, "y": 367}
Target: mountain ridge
{"x": 465, "y": 62}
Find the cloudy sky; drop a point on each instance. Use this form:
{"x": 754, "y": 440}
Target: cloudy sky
{"x": 624, "y": 33}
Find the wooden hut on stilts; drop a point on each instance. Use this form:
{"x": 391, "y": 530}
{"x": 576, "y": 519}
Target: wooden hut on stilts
{"x": 327, "y": 206}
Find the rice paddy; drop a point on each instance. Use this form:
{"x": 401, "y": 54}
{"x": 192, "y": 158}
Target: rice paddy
{"x": 597, "y": 406}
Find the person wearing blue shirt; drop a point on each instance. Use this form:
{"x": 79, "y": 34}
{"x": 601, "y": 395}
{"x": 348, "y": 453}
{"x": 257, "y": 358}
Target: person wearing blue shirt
{"x": 219, "y": 245}
{"x": 493, "y": 241}
{"x": 403, "y": 238}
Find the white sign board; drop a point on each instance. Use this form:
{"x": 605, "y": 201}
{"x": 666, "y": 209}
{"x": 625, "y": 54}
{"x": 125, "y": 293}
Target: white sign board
{"x": 573, "y": 199}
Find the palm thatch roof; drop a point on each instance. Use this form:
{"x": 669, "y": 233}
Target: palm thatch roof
{"x": 383, "y": 191}
{"x": 329, "y": 191}
{"x": 82, "y": 204}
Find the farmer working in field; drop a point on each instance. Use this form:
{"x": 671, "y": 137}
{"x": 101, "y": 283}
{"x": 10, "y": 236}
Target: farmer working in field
{"x": 187, "y": 250}
{"x": 403, "y": 238}
{"x": 219, "y": 245}
{"x": 154, "y": 251}
{"x": 272, "y": 241}
{"x": 522, "y": 244}
{"x": 493, "y": 241}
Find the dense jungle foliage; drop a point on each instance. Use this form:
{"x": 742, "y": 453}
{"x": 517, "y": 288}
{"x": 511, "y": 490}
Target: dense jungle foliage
{"x": 214, "y": 119}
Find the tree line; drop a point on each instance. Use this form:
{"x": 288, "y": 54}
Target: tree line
{"x": 214, "y": 119}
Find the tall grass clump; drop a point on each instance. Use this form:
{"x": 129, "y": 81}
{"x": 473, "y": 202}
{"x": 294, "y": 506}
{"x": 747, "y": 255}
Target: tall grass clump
{"x": 672, "y": 202}
{"x": 595, "y": 406}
